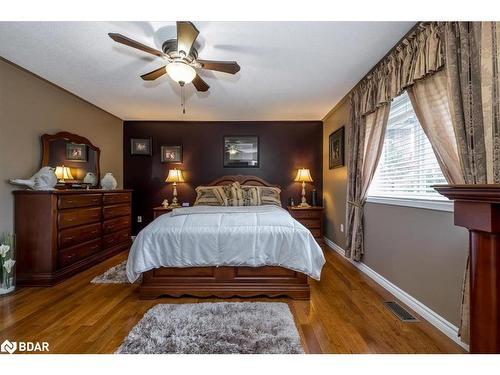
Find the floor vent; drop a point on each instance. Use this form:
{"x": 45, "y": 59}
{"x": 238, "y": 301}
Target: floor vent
{"x": 400, "y": 311}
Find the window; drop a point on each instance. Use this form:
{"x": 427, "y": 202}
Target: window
{"x": 408, "y": 166}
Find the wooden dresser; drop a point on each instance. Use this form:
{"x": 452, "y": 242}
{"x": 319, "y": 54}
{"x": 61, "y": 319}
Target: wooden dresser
{"x": 311, "y": 218}
{"x": 61, "y": 232}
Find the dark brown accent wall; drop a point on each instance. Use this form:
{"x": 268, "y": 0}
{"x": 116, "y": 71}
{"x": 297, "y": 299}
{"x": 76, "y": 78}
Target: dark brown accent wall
{"x": 284, "y": 146}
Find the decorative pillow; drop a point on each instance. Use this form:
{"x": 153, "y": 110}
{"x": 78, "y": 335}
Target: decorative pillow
{"x": 211, "y": 196}
{"x": 238, "y": 195}
{"x": 249, "y": 196}
{"x": 269, "y": 195}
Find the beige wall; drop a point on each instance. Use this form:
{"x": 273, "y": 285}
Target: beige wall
{"x": 418, "y": 250}
{"x": 30, "y": 107}
{"x": 334, "y": 180}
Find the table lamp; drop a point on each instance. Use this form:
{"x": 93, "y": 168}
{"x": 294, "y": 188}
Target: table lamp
{"x": 175, "y": 176}
{"x": 303, "y": 175}
{"x": 63, "y": 173}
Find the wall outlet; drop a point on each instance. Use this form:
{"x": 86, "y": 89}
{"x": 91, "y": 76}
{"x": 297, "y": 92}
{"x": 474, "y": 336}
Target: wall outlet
{"x": 342, "y": 228}
{"x": 139, "y": 219}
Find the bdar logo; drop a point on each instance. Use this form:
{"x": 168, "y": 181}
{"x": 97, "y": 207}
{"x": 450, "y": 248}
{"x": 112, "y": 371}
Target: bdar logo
{"x": 8, "y": 347}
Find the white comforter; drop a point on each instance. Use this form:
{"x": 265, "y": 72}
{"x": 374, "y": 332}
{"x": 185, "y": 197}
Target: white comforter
{"x": 225, "y": 236}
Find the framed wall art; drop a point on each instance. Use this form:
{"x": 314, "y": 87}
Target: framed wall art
{"x": 141, "y": 146}
{"x": 76, "y": 151}
{"x": 171, "y": 154}
{"x": 336, "y": 158}
{"x": 241, "y": 151}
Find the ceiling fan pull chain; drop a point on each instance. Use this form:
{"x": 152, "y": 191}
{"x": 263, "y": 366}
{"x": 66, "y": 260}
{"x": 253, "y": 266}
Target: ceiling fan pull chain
{"x": 183, "y": 100}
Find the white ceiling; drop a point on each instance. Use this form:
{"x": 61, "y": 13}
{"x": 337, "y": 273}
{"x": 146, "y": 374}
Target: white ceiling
{"x": 289, "y": 70}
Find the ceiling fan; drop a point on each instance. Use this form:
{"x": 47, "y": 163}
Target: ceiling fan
{"x": 181, "y": 57}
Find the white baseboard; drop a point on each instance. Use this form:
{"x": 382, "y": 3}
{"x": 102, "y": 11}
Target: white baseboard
{"x": 425, "y": 312}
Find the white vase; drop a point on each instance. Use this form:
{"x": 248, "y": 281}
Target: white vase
{"x": 108, "y": 182}
{"x": 90, "y": 179}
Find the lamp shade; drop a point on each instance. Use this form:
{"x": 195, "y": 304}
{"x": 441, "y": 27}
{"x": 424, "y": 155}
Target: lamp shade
{"x": 63, "y": 173}
{"x": 303, "y": 175}
{"x": 174, "y": 175}
{"x": 181, "y": 72}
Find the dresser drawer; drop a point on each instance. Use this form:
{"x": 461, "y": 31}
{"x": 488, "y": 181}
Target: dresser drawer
{"x": 78, "y": 252}
{"x": 113, "y": 198}
{"x": 72, "y": 218}
{"x": 72, "y": 236}
{"x": 115, "y": 211}
{"x": 306, "y": 214}
{"x": 78, "y": 200}
{"x": 113, "y": 239}
{"x": 310, "y": 223}
{"x": 114, "y": 225}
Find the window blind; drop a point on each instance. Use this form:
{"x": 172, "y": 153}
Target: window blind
{"x": 408, "y": 166}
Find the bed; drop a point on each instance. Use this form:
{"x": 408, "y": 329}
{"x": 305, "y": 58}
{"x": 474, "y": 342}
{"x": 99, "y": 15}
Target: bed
{"x": 225, "y": 252}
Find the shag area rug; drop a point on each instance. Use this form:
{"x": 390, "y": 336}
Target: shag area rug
{"x": 115, "y": 275}
{"x": 215, "y": 328}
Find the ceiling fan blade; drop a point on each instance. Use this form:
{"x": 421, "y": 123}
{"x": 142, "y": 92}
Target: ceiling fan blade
{"x": 186, "y": 35}
{"x": 157, "y": 73}
{"x": 231, "y": 67}
{"x": 200, "y": 84}
{"x": 132, "y": 43}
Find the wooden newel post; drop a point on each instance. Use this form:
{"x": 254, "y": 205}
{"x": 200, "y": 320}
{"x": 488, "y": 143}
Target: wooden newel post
{"x": 477, "y": 208}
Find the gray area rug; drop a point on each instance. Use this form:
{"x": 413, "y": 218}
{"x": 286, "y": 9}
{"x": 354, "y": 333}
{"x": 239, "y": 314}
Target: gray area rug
{"x": 215, "y": 328}
{"x": 115, "y": 275}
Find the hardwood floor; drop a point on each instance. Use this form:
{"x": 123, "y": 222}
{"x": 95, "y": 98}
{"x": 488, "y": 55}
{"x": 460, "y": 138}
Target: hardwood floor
{"x": 345, "y": 315}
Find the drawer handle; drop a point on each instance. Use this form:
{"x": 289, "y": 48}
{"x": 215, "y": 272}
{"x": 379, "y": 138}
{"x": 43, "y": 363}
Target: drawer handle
{"x": 93, "y": 232}
{"x": 70, "y": 219}
{"x": 69, "y": 256}
{"x": 70, "y": 201}
{"x": 70, "y": 238}
{"x": 111, "y": 226}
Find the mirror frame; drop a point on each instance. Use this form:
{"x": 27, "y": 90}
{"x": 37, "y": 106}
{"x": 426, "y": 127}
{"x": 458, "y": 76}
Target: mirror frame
{"x": 75, "y": 138}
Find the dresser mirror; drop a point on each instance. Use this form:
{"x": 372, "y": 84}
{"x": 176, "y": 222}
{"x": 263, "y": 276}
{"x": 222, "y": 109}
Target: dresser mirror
{"x": 74, "y": 158}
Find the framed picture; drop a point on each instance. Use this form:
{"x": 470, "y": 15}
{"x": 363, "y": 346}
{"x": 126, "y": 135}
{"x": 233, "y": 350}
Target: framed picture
{"x": 76, "y": 151}
{"x": 336, "y": 149}
{"x": 241, "y": 151}
{"x": 171, "y": 154}
{"x": 140, "y": 146}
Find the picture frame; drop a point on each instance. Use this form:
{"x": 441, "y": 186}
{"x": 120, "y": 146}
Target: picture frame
{"x": 336, "y": 149}
{"x": 171, "y": 154}
{"x": 241, "y": 151}
{"x": 141, "y": 146}
{"x": 76, "y": 152}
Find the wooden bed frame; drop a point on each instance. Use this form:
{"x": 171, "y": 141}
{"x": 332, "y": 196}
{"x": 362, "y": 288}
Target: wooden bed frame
{"x": 225, "y": 281}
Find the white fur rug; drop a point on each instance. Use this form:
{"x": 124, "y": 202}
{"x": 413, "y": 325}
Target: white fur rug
{"x": 115, "y": 275}
{"x": 215, "y": 328}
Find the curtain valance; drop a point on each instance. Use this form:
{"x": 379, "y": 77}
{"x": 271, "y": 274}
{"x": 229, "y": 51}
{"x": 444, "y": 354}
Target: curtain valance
{"x": 416, "y": 56}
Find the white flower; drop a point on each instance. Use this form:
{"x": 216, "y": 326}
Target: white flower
{"x": 9, "y": 264}
{"x": 4, "y": 249}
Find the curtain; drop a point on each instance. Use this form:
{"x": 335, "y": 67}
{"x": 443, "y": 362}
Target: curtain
{"x": 368, "y": 135}
{"x": 417, "y": 56}
{"x": 473, "y": 82}
{"x": 429, "y": 98}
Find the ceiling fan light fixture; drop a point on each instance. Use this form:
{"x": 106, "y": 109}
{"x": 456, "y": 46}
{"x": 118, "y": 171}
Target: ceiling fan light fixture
{"x": 181, "y": 72}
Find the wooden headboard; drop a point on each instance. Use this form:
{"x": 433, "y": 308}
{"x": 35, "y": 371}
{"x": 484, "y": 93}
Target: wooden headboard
{"x": 243, "y": 180}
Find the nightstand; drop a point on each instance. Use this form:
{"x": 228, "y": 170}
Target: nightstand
{"x": 158, "y": 211}
{"x": 311, "y": 218}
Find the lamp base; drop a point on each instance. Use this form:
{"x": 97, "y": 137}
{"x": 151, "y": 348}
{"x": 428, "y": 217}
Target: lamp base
{"x": 304, "y": 205}
{"x": 174, "y": 205}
